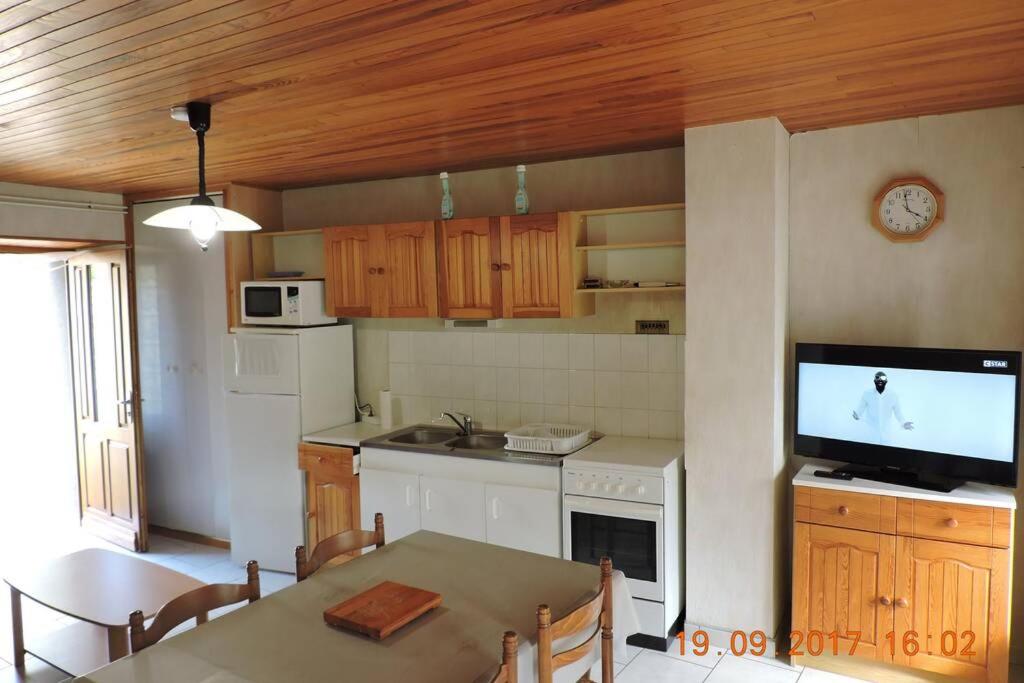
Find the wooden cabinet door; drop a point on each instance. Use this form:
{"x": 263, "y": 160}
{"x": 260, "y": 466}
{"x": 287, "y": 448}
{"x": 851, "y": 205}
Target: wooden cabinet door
{"x": 396, "y": 495}
{"x": 332, "y": 491}
{"x": 453, "y": 507}
{"x": 520, "y": 517}
{"x": 536, "y": 266}
{"x": 959, "y": 590}
{"x": 469, "y": 256}
{"x": 406, "y": 277}
{"x": 350, "y": 269}
{"x": 840, "y": 577}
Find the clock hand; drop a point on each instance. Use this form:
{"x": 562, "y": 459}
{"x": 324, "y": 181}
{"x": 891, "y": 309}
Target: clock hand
{"x": 909, "y": 210}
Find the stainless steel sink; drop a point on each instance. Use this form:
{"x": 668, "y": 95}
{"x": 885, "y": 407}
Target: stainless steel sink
{"x": 423, "y": 436}
{"x": 479, "y": 442}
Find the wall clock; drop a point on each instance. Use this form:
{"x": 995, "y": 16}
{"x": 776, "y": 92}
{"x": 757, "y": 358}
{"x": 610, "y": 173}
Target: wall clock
{"x": 907, "y": 209}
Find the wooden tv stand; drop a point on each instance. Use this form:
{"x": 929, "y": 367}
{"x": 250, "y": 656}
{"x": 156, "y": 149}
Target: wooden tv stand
{"x": 924, "y": 577}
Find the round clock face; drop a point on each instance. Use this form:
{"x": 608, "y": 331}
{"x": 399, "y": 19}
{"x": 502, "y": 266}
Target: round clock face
{"x": 907, "y": 209}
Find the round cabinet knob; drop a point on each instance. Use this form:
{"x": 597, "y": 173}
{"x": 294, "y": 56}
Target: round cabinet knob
{"x": 380, "y": 271}
{"x": 843, "y": 510}
{"x": 506, "y": 266}
{"x": 902, "y": 602}
{"x": 952, "y": 523}
{"x": 885, "y": 600}
{"x": 495, "y": 267}
{"x": 373, "y": 271}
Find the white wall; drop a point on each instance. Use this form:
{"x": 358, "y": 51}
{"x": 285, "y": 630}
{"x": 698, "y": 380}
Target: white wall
{"x": 962, "y": 287}
{"x": 182, "y": 318}
{"x": 20, "y": 220}
{"x": 736, "y": 263}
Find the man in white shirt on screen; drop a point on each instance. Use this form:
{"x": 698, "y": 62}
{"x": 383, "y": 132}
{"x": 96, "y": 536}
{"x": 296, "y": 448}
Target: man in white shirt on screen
{"x": 878, "y": 407}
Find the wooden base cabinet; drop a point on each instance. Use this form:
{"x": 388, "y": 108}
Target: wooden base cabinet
{"x": 332, "y": 491}
{"x": 862, "y": 571}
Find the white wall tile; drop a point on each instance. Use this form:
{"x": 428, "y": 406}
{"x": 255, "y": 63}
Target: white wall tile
{"x": 413, "y": 409}
{"x": 634, "y": 352}
{"x": 581, "y": 387}
{"x": 438, "y": 406}
{"x": 398, "y": 377}
{"x": 463, "y": 405}
{"x": 507, "y": 384}
{"x": 680, "y": 391}
{"x": 607, "y": 389}
{"x": 531, "y": 353}
{"x": 556, "y": 351}
{"x": 583, "y": 416}
{"x": 608, "y": 421}
{"x": 463, "y": 384}
{"x": 556, "y": 413}
{"x": 663, "y": 424}
{"x": 636, "y": 390}
{"x": 419, "y": 380}
{"x": 485, "y": 414}
{"x": 484, "y": 383}
{"x": 531, "y": 385}
{"x": 581, "y": 351}
{"x": 398, "y": 347}
{"x": 420, "y": 347}
{"x": 635, "y": 422}
{"x": 662, "y": 351}
{"x": 460, "y": 347}
{"x": 680, "y": 351}
{"x": 663, "y": 391}
{"x": 509, "y": 415}
{"x": 506, "y": 350}
{"x": 556, "y": 387}
{"x": 483, "y": 348}
{"x": 531, "y": 412}
{"x": 607, "y": 352}
{"x": 439, "y": 380}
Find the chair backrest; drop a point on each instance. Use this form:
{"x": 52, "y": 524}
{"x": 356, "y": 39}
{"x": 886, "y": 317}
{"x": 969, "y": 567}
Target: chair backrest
{"x": 596, "y": 614}
{"x": 508, "y": 672}
{"x": 338, "y": 544}
{"x": 193, "y": 605}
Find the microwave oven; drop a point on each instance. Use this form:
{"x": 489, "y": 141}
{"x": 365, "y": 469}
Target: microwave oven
{"x": 294, "y": 303}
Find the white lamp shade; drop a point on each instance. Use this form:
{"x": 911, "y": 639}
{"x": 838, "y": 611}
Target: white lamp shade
{"x": 202, "y": 219}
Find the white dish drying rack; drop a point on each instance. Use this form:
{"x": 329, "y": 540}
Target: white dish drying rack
{"x": 543, "y": 437}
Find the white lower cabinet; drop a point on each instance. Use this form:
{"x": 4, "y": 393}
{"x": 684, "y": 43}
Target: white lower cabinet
{"x": 452, "y": 506}
{"x": 396, "y": 495}
{"x": 520, "y": 517}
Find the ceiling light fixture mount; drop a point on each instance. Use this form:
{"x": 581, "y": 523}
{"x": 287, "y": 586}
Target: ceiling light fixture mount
{"x": 201, "y": 216}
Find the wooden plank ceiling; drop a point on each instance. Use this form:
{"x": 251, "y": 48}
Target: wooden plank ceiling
{"x": 316, "y": 91}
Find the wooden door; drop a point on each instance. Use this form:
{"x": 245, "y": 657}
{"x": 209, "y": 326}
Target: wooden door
{"x": 840, "y": 577}
{"x": 350, "y": 271}
{"x": 107, "y": 418}
{"x": 453, "y": 507}
{"x": 469, "y": 256}
{"x": 952, "y": 601}
{"x": 332, "y": 491}
{"x": 536, "y": 266}
{"x": 406, "y": 270}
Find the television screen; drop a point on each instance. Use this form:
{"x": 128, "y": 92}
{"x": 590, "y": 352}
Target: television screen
{"x": 949, "y": 413}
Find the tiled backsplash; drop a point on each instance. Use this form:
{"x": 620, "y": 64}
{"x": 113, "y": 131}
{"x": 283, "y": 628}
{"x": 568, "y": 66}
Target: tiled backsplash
{"x": 619, "y": 384}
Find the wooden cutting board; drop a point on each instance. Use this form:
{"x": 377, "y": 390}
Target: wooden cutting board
{"x": 382, "y": 610}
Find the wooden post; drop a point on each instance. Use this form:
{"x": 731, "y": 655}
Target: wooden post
{"x": 544, "y": 663}
{"x": 252, "y": 571}
{"x": 378, "y": 528}
{"x": 300, "y": 563}
{"x": 17, "y": 629}
{"x": 137, "y": 627}
{"x": 510, "y": 655}
{"x": 607, "y": 654}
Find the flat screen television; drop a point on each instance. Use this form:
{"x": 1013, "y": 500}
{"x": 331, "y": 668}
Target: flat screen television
{"x": 932, "y": 418}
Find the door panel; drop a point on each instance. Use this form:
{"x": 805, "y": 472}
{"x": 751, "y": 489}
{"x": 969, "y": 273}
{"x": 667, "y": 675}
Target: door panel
{"x": 348, "y": 261}
{"x": 521, "y": 518}
{"x": 469, "y": 266}
{"x": 534, "y": 265}
{"x": 957, "y": 589}
{"x": 394, "y": 494}
{"x": 453, "y": 507}
{"x": 408, "y": 270}
{"x": 109, "y": 455}
{"x": 839, "y": 579}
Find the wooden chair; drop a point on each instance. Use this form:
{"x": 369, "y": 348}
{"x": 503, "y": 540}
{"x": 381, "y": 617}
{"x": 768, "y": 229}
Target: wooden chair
{"x": 597, "y": 613}
{"x": 509, "y": 670}
{"x": 338, "y": 544}
{"x": 195, "y": 604}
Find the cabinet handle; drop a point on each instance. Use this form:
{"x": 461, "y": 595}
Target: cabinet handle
{"x": 885, "y": 600}
{"x": 426, "y": 496}
{"x": 902, "y": 602}
{"x": 320, "y": 459}
{"x": 495, "y": 267}
{"x": 494, "y": 508}
{"x": 843, "y": 510}
{"x": 952, "y": 523}
{"x": 380, "y": 271}
{"x": 408, "y": 496}
{"x": 373, "y": 271}
{"x": 310, "y": 515}
{"x": 505, "y": 266}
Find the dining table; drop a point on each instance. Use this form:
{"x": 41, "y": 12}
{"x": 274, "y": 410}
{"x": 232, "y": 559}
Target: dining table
{"x": 485, "y": 591}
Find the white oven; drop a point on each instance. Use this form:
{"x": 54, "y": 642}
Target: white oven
{"x": 294, "y": 303}
{"x": 632, "y": 534}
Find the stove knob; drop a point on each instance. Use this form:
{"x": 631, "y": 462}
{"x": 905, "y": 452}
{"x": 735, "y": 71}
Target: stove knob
{"x": 592, "y": 486}
{"x": 607, "y": 487}
{"x": 621, "y": 488}
{"x": 640, "y": 490}
{"x": 579, "y": 484}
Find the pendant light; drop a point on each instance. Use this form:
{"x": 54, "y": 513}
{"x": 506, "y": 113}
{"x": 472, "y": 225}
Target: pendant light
{"x": 200, "y": 216}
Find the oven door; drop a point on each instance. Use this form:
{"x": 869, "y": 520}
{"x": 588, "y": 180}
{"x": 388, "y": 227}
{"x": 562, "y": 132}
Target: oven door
{"x": 631, "y": 534}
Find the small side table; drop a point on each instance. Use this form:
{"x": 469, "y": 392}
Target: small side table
{"x": 100, "y": 588}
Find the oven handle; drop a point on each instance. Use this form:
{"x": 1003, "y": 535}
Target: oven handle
{"x": 643, "y": 511}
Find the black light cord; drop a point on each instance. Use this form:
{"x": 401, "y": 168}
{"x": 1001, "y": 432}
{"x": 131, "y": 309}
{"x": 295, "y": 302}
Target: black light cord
{"x": 201, "y": 137}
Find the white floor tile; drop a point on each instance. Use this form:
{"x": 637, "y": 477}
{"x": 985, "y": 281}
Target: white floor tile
{"x": 631, "y": 652}
{"x": 740, "y": 670}
{"x": 36, "y": 671}
{"x": 784, "y": 662}
{"x": 709, "y": 659}
{"x": 818, "y": 676}
{"x": 652, "y": 667}
{"x": 271, "y": 582}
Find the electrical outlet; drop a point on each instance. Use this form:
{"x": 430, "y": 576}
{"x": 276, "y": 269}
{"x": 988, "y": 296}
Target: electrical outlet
{"x": 652, "y": 327}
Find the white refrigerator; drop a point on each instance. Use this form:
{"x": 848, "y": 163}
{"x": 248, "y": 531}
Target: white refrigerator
{"x": 281, "y": 383}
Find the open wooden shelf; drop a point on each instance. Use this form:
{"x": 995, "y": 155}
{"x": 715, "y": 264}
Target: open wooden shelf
{"x": 630, "y": 290}
{"x": 632, "y": 245}
{"x": 632, "y": 209}
{"x": 301, "y": 277}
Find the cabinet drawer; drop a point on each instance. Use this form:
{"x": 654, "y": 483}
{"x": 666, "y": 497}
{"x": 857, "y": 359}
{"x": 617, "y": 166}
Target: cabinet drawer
{"x": 972, "y": 524}
{"x": 326, "y": 461}
{"x": 846, "y": 510}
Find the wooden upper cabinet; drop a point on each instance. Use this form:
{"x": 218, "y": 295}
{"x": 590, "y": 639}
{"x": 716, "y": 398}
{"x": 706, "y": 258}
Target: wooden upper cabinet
{"x": 350, "y": 268}
{"x": 381, "y": 271}
{"x": 536, "y": 265}
{"x": 469, "y": 263}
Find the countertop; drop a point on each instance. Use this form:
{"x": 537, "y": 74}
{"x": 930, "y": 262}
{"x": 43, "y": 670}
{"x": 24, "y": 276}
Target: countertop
{"x": 970, "y": 493}
{"x": 352, "y": 435}
{"x": 630, "y": 451}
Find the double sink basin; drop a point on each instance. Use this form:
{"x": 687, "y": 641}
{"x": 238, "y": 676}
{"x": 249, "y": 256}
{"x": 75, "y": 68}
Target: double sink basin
{"x": 484, "y": 444}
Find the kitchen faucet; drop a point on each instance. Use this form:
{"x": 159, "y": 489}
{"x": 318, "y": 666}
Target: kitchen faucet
{"x": 465, "y": 426}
